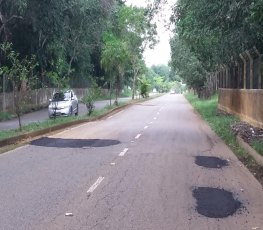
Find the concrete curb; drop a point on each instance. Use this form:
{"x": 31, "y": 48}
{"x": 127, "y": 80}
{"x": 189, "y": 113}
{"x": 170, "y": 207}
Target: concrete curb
{"x": 258, "y": 158}
{"x": 30, "y": 135}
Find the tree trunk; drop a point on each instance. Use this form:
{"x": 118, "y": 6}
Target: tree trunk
{"x": 110, "y": 91}
{"x": 117, "y": 91}
{"x": 134, "y": 86}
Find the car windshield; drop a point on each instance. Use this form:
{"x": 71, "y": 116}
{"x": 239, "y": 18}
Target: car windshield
{"x": 60, "y": 96}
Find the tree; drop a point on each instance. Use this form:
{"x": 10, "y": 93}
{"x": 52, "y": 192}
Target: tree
{"x": 113, "y": 59}
{"x": 186, "y": 65}
{"x": 65, "y": 36}
{"x": 162, "y": 70}
{"x": 20, "y": 73}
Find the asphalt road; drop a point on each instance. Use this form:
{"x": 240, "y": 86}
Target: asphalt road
{"x": 42, "y": 115}
{"x": 139, "y": 169}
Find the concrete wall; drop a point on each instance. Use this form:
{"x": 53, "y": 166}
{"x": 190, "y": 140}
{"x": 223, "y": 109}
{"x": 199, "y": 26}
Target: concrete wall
{"x": 36, "y": 98}
{"x": 246, "y": 103}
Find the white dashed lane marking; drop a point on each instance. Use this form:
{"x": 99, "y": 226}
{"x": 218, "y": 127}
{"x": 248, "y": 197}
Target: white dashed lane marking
{"x": 138, "y": 136}
{"x": 123, "y": 152}
{"x": 95, "y": 185}
{"x": 146, "y": 127}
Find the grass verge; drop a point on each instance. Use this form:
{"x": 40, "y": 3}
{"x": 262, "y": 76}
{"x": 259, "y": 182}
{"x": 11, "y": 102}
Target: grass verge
{"x": 258, "y": 146}
{"x": 221, "y": 125}
{"x": 36, "y": 126}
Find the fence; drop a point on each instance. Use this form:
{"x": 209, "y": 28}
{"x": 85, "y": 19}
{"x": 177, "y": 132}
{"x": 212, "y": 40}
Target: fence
{"x": 241, "y": 87}
{"x": 243, "y": 73}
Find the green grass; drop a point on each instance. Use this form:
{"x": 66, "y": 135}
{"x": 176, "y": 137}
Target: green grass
{"x": 220, "y": 124}
{"x": 258, "y": 146}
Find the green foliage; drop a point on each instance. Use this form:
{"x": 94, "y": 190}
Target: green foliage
{"x": 126, "y": 92}
{"x": 186, "y": 65}
{"x": 144, "y": 87}
{"x": 129, "y": 33}
{"x": 213, "y": 33}
{"x": 161, "y": 84}
{"x": 4, "y": 116}
{"x": 57, "y": 81}
{"x": 217, "y": 31}
{"x": 162, "y": 70}
{"x": 89, "y": 98}
{"x": 20, "y": 72}
{"x": 258, "y": 146}
{"x": 65, "y": 36}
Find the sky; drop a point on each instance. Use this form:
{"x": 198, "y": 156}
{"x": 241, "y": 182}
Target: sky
{"x": 161, "y": 53}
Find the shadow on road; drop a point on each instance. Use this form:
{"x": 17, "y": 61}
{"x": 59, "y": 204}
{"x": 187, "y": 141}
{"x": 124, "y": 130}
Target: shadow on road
{"x": 73, "y": 143}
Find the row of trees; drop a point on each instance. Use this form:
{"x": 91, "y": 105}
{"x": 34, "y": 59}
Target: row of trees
{"x": 65, "y": 35}
{"x": 79, "y": 41}
{"x": 73, "y": 43}
{"x": 211, "y": 33}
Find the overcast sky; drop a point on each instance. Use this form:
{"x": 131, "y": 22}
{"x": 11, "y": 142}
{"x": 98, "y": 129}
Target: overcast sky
{"x": 161, "y": 53}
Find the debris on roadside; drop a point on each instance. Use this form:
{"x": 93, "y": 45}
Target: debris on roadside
{"x": 247, "y": 132}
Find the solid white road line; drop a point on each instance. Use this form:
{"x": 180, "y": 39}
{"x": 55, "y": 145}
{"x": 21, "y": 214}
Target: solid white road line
{"x": 123, "y": 152}
{"x": 95, "y": 185}
{"x": 138, "y": 136}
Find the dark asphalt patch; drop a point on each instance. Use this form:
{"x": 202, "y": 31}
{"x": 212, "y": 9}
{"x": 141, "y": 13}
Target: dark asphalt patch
{"x": 215, "y": 203}
{"x": 210, "y": 162}
{"x": 73, "y": 143}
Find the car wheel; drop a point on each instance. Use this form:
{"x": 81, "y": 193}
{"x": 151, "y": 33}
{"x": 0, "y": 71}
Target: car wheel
{"x": 70, "y": 111}
{"x": 77, "y": 111}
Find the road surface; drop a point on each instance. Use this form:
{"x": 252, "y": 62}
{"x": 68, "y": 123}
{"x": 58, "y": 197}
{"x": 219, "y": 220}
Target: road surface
{"x": 139, "y": 169}
{"x": 42, "y": 115}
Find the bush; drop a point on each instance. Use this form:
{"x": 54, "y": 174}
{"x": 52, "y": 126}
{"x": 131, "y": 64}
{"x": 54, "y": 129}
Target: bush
{"x": 4, "y": 116}
{"x": 89, "y": 99}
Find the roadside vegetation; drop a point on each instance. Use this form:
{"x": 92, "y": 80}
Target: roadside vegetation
{"x": 5, "y": 116}
{"x": 221, "y": 125}
{"x": 37, "y": 126}
{"x": 212, "y": 34}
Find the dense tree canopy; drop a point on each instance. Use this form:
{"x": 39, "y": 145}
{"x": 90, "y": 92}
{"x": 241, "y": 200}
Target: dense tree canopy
{"x": 72, "y": 39}
{"x": 65, "y": 35}
{"x": 214, "y": 33}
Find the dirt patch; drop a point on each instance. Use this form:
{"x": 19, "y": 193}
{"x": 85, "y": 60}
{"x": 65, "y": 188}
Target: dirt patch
{"x": 215, "y": 203}
{"x": 210, "y": 162}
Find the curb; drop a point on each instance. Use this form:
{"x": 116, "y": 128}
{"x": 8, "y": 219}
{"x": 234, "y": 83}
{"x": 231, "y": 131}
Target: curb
{"x": 22, "y": 137}
{"x": 258, "y": 158}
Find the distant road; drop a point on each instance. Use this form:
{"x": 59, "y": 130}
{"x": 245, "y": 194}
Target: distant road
{"x": 42, "y": 115}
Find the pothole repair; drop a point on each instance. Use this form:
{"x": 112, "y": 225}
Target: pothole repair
{"x": 210, "y": 162}
{"x": 215, "y": 203}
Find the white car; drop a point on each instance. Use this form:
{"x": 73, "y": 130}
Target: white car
{"x": 63, "y": 104}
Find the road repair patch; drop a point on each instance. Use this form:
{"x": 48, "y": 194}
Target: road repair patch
{"x": 215, "y": 203}
{"x": 210, "y": 162}
{"x": 73, "y": 143}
